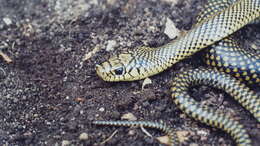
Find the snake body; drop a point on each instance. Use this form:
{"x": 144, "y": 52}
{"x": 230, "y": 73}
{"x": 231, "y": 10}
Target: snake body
{"x": 209, "y": 116}
{"x": 210, "y": 29}
{"x": 227, "y": 55}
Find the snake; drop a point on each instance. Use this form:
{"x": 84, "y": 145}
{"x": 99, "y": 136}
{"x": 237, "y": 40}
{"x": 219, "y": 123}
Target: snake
{"x": 232, "y": 67}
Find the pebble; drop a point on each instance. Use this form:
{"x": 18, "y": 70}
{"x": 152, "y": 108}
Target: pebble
{"x": 102, "y": 109}
{"x": 7, "y": 21}
{"x": 194, "y": 144}
{"x": 95, "y": 2}
{"x": 83, "y": 136}
{"x": 129, "y": 116}
{"x": 110, "y": 45}
{"x": 147, "y": 81}
{"x": 172, "y": 1}
{"x": 131, "y": 132}
{"x": 65, "y": 143}
{"x": 202, "y": 132}
{"x": 111, "y": 2}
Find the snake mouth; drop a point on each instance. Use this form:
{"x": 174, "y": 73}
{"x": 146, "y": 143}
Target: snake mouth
{"x": 100, "y": 71}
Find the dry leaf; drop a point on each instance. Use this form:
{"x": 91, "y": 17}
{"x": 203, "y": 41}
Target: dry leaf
{"x": 170, "y": 30}
{"x": 163, "y": 139}
{"x": 182, "y": 135}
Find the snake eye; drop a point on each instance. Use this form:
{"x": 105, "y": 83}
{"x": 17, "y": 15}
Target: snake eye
{"x": 119, "y": 71}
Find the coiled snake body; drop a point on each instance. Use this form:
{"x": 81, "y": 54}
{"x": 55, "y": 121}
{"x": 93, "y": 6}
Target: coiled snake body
{"x": 230, "y": 16}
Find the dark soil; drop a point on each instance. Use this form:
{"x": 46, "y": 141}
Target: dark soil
{"x": 49, "y": 95}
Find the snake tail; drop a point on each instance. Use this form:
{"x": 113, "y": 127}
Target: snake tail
{"x": 173, "y": 140}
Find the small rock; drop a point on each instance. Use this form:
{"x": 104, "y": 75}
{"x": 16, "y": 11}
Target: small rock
{"x": 95, "y": 2}
{"x": 65, "y": 143}
{"x": 110, "y": 45}
{"x": 115, "y": 115}
{"x": 258, "y": 125}
{"x": 111, "y": 2}
{"x": 15, "y": 100}
{"x": 129, "y": 116}
{"x": 83, "y": 136}
{"x": 254, "y": 46}
{"x": 194, "y": 144}
{"x": 221, "y": 140}
{"x": 102, "y": 109}
{"x": 7, "y": 21}
{"x": 202, "y": 132}
{"x": 172, "y": 1}
{"x": 28, "y": 134}
{"x": 183, "y": 116}
{"x": 203, "y": 138}
{"x": 131, "y": 132}
{"x": 170, "y": 30}
{"x": 147, "y": 81}
{"x": 81, "y": 112}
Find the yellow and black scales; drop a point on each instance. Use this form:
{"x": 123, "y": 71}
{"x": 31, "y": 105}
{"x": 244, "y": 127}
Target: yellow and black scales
{"x": 220, "y": 19}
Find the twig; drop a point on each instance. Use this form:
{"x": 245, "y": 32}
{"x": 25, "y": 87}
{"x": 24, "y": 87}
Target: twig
{"x": 5, "y": 57}
{"x": 146, "y": 132}
{"x": 110, "y": 137}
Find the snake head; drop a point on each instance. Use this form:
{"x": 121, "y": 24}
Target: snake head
{"x": 132, "y": 65}
{"x": 123, "y": 67}
{"x": 116, "y": 68}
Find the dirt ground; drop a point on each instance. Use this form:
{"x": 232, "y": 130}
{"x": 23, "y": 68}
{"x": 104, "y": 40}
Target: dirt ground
{"x": 50, "y": 94}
